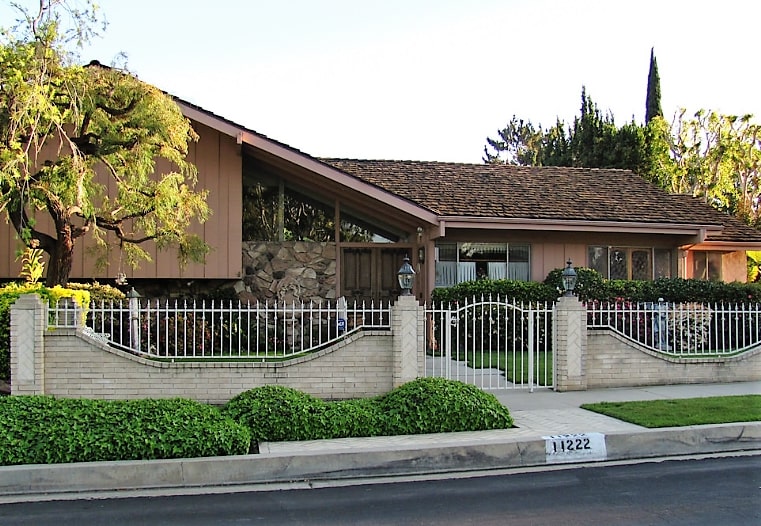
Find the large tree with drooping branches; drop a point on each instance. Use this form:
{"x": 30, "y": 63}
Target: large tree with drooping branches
{"x": 80, "y": 144}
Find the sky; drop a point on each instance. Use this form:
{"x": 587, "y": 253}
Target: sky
{"x": 431, "y": 79}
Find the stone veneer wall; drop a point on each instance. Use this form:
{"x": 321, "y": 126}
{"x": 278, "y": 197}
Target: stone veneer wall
{"x": 288, "y": 271}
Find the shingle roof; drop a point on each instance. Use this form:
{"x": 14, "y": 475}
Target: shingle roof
{"x": 734, "y": 229}
{"x": 538, "y": 192}
{"x": 554, "y": 193}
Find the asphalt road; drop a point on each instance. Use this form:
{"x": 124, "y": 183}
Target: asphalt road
{"x": 677, "y": 492}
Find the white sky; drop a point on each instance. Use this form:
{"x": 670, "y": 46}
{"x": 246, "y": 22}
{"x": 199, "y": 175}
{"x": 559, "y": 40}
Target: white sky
{"x": 431, "y": 79}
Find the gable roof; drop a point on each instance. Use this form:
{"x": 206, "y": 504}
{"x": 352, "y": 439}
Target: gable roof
{"x": 557, "y": 194}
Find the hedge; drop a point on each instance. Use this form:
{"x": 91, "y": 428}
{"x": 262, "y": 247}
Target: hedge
{"x": 591, "y": 286}
{"x": 47, "y": 430}
{"x": 425, "y": 405}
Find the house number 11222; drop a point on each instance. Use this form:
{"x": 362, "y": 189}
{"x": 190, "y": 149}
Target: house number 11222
{"x": 570, "y": 444}
{"x": 577, "y": 447}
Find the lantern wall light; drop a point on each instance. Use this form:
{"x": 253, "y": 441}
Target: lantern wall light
{"x": 406, "y": 276}
{"x": 569, "y": 279}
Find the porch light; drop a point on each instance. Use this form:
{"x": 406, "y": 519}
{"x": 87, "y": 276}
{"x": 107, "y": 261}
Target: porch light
{"x": 406, "y": 276}
{"x": 569, "y": 279}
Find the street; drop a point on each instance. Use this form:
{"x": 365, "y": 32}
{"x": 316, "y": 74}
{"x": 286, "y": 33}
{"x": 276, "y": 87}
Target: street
{"x": 695, "y": 492}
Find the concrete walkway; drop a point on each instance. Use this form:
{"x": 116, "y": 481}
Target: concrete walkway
{"x": 539, "y": 416}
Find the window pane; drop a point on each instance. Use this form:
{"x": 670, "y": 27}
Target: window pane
{"x": 714, "y": 266}
{"x": 662, "y": 263}
{"x": 483, "y": 252}
{"x": 477, "y": 261}
{"x": 618, "y": 264}
{"x": 446, "y": 273}
{"x": 641, "y": 268}
{"x": 447, "y": 252}
{"x": 518, "y": 262}
{"x": 699, "y": 265}
{"x": 598, "y": 260}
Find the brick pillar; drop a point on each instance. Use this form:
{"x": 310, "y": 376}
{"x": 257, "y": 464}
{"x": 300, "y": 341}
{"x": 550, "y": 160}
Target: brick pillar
{"x": 28, "y": 325}
{"x": 408, "y": 329}
{"x": 571, "y": 345}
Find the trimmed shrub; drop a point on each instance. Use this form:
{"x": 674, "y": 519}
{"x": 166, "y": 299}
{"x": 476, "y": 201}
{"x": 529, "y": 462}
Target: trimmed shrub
{"x": 425, "y": 405}
{"x": 589, "y": 283}
{"x": 438, "y": 405}
{"x": 46, "y": 430}
{"x": 353, "y": 418}
{"x": 99, "y": 293}
{"x": 275, "y": 413}
{"x": 522, "y": 291}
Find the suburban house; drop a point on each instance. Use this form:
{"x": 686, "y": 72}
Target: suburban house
{"x": 455, "y": 222}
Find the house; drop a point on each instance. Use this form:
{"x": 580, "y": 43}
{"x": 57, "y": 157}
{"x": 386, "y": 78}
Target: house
{"x": 454, "y": 221}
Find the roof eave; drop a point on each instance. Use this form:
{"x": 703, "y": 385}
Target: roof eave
{"x": 726, "y": 246}
{"x": 577, "y": 225}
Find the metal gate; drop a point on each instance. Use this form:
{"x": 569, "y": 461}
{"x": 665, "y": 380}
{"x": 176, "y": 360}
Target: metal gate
{"x": 493, "y": 344}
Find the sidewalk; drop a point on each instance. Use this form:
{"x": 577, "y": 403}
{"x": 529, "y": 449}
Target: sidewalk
{"x": 541, "y": 413}
{"x": 538, "y": 416}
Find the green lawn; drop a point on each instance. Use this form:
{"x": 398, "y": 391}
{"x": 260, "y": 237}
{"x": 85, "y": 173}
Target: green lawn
{"x": 514, "y": 365}
{"x": 683, "y": 412}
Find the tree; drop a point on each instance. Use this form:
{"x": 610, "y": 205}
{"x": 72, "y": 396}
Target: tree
{"x": 81, "y": 144}
{"x": 518, "y": 143}
{"x": 718, "y": 157}
{"x": 653, "y": 101}
{"x": 592, "y": 141}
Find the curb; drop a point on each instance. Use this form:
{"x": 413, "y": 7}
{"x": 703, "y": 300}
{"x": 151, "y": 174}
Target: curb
{"x": 346, "y": 464}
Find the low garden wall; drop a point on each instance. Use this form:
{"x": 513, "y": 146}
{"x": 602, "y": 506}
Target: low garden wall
{"x": 614, "y": 361}
{"x": 72, "y": 362}
{"x": 79, "y": 366}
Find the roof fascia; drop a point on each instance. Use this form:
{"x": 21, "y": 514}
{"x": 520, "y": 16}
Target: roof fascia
{"x": 577, "y": 225}
{"x": 724, "y": 246}
{"x": 243, "y": 135}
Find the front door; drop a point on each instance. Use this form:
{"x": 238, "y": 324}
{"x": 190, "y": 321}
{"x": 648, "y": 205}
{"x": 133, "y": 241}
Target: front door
{"x": 369, "y": 273}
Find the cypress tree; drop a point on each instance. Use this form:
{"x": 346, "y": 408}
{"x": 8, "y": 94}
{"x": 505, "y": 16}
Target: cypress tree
{"x": 653, "y": 103}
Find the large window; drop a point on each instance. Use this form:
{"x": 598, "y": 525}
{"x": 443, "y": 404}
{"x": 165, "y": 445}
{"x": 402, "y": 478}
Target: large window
{"x": 631, "y": 263}
{"x": 272, "y": 211}
{"x": 458, "y": 262}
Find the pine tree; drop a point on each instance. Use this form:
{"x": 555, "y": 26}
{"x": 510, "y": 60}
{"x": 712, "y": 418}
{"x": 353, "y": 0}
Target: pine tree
{"x": 653, "y": 103}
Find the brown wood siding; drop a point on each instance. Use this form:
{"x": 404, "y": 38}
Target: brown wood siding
{"x": 231, "y": 185}
{"x": 217, "y": 157}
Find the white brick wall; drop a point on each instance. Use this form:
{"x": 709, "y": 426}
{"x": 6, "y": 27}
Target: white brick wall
{"x": 613, "y": 361}
{"x": 77, "y": 366}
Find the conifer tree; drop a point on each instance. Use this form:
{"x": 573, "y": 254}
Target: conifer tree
{"x": 653, "y": 102}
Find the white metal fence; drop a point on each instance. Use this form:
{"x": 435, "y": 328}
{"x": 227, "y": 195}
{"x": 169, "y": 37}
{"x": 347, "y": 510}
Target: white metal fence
{"x": 682, "y": 329}
{"x": 219, "y": 329}
{"x": 491, "y": 343}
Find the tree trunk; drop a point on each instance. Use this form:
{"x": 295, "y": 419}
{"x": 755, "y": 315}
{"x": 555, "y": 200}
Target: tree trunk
{"x": 61, "y": 258}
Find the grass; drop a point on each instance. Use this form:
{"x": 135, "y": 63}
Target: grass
{"x": 683, "y": 412}
{"x": 514, "y": 365}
